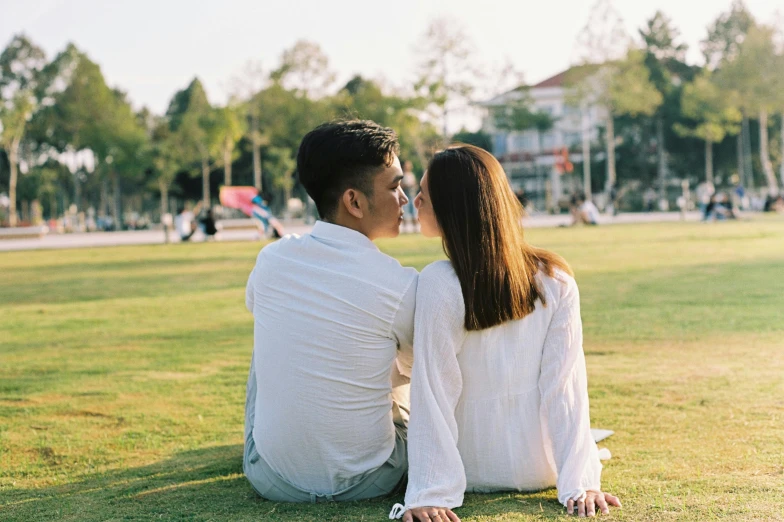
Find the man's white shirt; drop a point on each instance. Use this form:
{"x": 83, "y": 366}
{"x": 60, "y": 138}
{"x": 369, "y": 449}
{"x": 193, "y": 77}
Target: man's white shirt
{"x": 332, "y": 315}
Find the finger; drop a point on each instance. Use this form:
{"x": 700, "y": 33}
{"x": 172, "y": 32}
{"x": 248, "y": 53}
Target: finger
{"x": 570, "y": 507}
{"x": 590, "y": 507}
{"x": 602, "y": 505}
{"x": 408, "y": 517}
{"x": 612, "y": 500}
{"x": 581, "y": 508}
{"x": 451, "y": 516}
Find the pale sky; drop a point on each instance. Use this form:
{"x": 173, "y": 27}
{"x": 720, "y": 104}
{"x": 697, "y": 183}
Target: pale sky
{"x": 150, "y": 49}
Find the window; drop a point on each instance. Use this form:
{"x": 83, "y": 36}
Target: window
{"x": 522, "y": 142}
{"x": 572, "y": 138}
{"x": 549, "y": 141}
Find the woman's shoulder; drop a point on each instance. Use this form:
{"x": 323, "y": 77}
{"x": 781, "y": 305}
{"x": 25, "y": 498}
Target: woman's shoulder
{"x": 439, "y": 294}
{"x": 439, "y": 280}
{"x": 559, "y": 284}
{"x": 439, "y": 272}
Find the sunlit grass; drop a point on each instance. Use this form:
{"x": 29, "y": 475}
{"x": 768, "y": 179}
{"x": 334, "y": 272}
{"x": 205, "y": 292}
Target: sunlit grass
{"x": 122, "y": 378}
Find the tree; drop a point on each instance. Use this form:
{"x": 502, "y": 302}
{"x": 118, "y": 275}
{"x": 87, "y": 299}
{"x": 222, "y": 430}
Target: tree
{"x": 80, "y": 112}
{"x": 714, "y": 114}
{"x": 21, "y": 64}
{"x": 755, "y": 76}
{"x": 602, "y": 40}
{"x": 479, "y": 139}
{"x": 721, "y": 46}
{"x": 246, "y": 88}
{"x": 665, "y": 58}
{"x": 229, "y": 128}
{"x": 726, "y": 34}
{"x": 446, "y": 70}
{"x": 193, "y": 119}
{"x": 281, "y": 165}
{"x": 304, "y": 68}
{"x": 620, "y": 88}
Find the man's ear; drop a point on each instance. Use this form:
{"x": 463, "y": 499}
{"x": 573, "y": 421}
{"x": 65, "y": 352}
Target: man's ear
{"x": 354, "y": 201}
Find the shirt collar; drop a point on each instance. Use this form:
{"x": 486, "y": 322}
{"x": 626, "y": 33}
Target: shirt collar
{"x": 332, "y": 232}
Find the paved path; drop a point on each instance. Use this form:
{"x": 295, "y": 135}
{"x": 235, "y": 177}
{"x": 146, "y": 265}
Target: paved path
{"x": 151, "y": 237}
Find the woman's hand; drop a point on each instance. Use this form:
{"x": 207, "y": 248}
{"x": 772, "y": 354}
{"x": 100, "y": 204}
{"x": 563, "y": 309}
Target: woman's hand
{"x": 593, "y": 500}
{"x": 430, "y": 514}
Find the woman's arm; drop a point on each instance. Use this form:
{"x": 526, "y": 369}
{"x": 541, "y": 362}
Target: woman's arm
{"x": 436, "y": 476}
{"x": 563, "y": 386}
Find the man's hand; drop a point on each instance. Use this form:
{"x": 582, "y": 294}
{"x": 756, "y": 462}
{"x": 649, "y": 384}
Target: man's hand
{"x": 593, "y": 500}
{"x": 430, "y": 514}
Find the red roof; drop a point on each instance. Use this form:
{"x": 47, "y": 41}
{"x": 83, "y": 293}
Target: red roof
{"x": 552, "y": 81}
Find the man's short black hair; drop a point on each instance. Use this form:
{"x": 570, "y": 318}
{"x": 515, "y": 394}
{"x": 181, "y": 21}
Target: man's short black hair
{"x": 340, "y": 155}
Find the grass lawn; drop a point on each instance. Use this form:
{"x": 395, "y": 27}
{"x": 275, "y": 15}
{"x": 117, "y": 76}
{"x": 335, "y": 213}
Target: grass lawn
{"x": 122, "y": 378}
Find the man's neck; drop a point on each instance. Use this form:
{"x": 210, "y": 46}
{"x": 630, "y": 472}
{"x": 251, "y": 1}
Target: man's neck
{"x": 350, "y": 223}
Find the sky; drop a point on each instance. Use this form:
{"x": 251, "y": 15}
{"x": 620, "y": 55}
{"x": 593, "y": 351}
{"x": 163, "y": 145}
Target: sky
{"x": 150, "y": 49}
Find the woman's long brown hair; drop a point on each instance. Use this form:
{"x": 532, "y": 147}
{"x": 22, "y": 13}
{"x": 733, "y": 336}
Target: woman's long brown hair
{"x": 482, "y": 233}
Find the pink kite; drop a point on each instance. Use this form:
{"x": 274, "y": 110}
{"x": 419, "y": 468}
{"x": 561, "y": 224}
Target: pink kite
{"x": 240, "y": 198}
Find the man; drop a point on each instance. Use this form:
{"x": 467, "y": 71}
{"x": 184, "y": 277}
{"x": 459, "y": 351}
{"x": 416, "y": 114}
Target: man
{"x": 327, "y": 397}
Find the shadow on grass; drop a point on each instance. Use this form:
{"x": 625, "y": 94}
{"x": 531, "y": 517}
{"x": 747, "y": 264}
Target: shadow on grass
{"x": 208, "y": 484}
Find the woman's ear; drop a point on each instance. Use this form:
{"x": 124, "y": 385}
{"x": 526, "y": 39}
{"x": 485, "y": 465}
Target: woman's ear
{"x": 353, "y": 200}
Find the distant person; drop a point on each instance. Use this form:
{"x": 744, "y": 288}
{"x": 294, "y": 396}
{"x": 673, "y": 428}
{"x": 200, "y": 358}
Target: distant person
{"x": 499, "y": 393}
{"x": 409, "y": 185}
{"x": 327, "y": 402}
{"x": 267, "y": 224}
{"x": 522, "y": 197}
{"x": 184, "y": 223}
{"x": 649, "y": 199}
{"x": 585, "y": 212}
{"x": 704, "y": 192}
{"x": 208, "y": 224}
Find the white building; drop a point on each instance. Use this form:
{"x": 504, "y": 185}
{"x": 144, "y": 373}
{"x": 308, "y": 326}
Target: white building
{"x": 529, "y": 156}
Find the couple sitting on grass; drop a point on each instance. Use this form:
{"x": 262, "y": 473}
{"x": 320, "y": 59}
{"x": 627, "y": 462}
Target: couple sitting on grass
{"x": 490, "y": 341}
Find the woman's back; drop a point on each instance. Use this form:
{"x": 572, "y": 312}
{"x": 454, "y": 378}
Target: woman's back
{"x": 505, "y": 385}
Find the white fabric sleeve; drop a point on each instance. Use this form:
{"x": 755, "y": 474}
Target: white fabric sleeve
{"x": 435, "y": 475}
{"x": 563, "y": 386}
{"x": 403, "y": 330}
{"x": 250, "y": 291}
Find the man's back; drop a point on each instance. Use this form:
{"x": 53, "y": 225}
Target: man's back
{"x": 330, "y": 311}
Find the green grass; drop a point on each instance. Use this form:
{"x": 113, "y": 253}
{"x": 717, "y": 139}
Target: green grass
{"x": 122, "y": 378}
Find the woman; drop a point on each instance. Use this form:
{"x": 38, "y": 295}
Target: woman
{"x": 499, "y": 395}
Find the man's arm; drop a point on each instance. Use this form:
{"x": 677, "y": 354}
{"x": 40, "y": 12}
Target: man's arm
{"x": 250, "y": 291}
{"x": 403, "y": 330}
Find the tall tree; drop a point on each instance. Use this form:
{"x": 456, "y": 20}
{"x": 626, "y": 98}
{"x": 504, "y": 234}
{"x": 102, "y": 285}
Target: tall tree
{"x": 602, "y": 40}
{"x": 726, "y": 34}
{"x": 304, "y": 68}
{"x": 714, "y": 114}
{"x": 21, "y": 63}
{"x": 246, "y": 87}
{"x": 281, "y": 164}
{"x": 82, "y": 113}
{"x": 229, "y": 128}
{"x": 720, "y": 46}
{"x": 193, "y": 119}
{"x": 755, "y": 75}
{"x": 446, "y": 71}
{"x": 665, "y": 58}
{"x": 619, "y": 88}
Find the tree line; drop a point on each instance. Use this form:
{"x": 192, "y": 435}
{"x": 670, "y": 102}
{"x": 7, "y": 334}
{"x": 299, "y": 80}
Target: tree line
{"x": 67, "y": 138}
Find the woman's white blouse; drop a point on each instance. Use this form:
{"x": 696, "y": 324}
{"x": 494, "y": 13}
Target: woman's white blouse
{"x": 504, "y": 408}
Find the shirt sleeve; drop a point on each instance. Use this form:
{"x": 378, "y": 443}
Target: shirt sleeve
{"x": 250, "y": 290}
{"x": 436, "y": 476}
{"x": 403, "y": 330}
{"x": 563, "y": 386}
